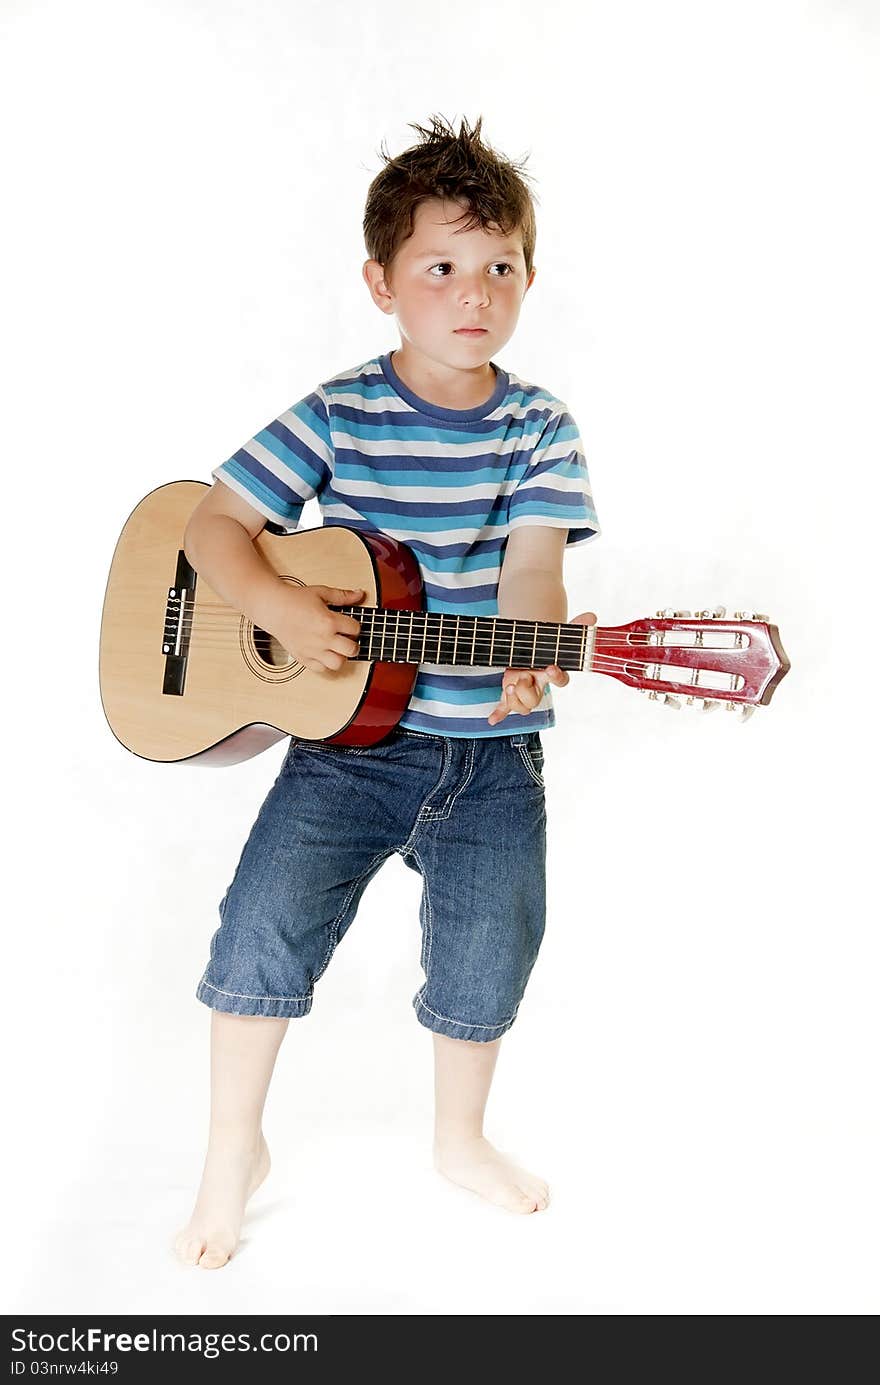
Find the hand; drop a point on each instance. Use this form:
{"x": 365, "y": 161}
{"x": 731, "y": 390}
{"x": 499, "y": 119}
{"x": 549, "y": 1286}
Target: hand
{"x": 321, "y": 639}
{"x": 524, "y": 688}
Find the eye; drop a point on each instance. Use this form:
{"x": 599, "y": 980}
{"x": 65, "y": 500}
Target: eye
{"x": 444, "y": 263}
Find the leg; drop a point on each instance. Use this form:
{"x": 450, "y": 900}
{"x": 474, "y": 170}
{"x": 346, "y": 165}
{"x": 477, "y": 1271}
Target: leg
{"x": 316, "y": 843}
{"x": 463, "y": 1070}
{"x": 482, "y": 858}
{"x": 243, "y": 1053}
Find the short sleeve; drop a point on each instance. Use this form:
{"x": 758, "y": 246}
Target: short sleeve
{"x": 555, "y": 487}
{"x": 287, "y": 463}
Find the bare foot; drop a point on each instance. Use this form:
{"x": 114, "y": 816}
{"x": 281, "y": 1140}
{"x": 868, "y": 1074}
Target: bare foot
{"x": 231, "y": 1174}
{"x": 476, "y": 1164}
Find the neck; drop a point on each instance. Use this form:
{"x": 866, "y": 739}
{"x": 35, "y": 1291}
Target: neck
{"x": 451, "y": 389}
{"x": 434, "y": 637}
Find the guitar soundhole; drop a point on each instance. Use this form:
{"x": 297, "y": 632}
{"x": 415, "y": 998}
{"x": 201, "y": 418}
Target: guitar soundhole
{"x": 269, "y": 650}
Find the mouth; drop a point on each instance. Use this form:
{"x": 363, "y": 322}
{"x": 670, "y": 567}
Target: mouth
{"x": 471, "y": 331}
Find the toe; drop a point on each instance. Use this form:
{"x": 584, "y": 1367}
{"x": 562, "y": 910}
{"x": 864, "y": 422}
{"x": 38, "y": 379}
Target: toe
{"x": 189, "y": 1249}
{"x": 214, "y": 1258}
{"x": 523, "y": 1201}
{"x": 535, "y": 1187}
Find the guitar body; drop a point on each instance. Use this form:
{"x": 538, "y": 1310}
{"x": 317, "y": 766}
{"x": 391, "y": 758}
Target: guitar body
{"x": 235, "y": 691}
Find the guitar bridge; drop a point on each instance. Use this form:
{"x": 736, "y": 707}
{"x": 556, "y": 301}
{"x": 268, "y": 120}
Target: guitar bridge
{"x": 178, "y": 626}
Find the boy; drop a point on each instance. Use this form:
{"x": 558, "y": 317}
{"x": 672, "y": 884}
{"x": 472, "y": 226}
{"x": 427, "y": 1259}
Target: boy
{"x": 472, "y": 467}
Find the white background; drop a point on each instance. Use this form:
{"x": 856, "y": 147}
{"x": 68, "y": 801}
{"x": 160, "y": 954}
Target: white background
{"x": 693, "y": 1068}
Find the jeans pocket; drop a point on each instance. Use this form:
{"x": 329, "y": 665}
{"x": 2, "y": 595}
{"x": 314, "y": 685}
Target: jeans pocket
{"x": 531, "y": 753}
{"x": 325, "y": 747}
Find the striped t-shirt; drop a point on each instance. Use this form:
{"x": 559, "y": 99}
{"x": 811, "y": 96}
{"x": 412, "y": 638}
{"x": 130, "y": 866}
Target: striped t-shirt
{"x": 449, "y": 483}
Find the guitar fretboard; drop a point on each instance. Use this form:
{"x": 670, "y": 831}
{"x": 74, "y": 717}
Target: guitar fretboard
{"x": 435, "y": 637}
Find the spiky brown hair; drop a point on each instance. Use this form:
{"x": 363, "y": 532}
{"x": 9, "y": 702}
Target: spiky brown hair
{"x": 457, "y": 167}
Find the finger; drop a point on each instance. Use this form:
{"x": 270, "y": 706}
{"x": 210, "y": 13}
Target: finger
{"x": 557, "y": 676}
{"x": 521, "y": 698}
{"x": 338, "y": 596}
{"x": 514, "y": 691}
{"x": 516, "y": 677}
{"x": 342, "y": 645}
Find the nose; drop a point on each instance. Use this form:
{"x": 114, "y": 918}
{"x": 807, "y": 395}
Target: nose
{"x": 475, "y": 292}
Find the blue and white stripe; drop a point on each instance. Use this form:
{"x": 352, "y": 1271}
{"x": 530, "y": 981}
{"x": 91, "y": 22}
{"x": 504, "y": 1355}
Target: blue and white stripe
{"x": 450, "y": 483}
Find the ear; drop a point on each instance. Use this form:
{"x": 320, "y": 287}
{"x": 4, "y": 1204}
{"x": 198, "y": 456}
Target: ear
{"x": 374, "y": 277}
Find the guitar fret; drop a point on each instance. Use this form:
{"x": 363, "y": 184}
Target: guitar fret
{"x": 543, "y": 645}
{"x": 533, "y": 644}
{"x": 521, "y": 651}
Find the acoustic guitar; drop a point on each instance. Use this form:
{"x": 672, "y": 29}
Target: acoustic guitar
{"x": 186, "y": 678}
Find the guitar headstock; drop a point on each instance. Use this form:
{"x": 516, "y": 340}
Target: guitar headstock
{"x": 699, "y": 657}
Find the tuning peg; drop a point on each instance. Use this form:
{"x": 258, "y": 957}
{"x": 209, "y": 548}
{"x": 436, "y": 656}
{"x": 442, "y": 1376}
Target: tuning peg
{"x": 666, "y": 614}
{"x": 652, "y": 695}
{"x": 719, "y": 612}
{"x": 672, "y": 701}
{"x": 709, "y": 705}
{"x": 745, "y": 711}
{"x": 730, "y": 706}
{"x": 680, "y": 614}
{"x": 756, "y": 615}
{"x": 689, "y": 702}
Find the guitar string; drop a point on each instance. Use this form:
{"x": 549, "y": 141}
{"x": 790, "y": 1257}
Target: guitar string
{"x": 203, "y": 607}
{"x": 600, "y": 664}
{"x": 651, "y": 655}
{"x": 570, "y": 643}
{"x": 571, "y": 633}
{"x": 203, "y": 603}
{"x": 665, "y": 654}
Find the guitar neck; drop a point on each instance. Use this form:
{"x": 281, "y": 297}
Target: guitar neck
{"x": 435, "y": 637}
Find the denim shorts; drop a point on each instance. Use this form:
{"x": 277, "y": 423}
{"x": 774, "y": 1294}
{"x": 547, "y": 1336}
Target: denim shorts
{"x": 465, "y": 813}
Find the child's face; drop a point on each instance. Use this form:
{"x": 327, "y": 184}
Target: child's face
{"x": 444, "y": 277}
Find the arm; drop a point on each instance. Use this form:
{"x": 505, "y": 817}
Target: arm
{"x": 218, "y": 541}
{"x": 531, "y": 588}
